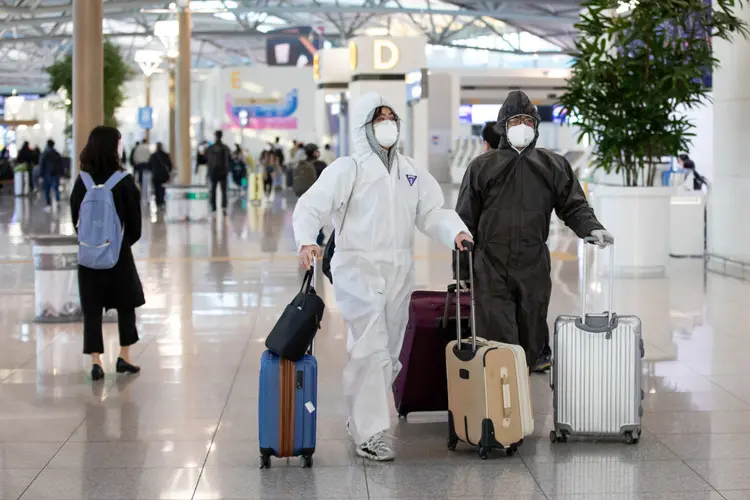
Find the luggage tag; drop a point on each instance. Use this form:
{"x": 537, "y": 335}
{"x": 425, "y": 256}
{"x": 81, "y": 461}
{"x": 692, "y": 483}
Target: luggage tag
{"x": 309, "y": 407}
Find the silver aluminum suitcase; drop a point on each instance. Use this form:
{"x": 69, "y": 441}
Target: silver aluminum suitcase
{"x": 596, "y": 371}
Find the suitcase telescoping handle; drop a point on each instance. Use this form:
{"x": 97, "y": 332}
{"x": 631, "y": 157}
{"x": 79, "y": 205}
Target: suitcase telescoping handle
{"x": 469, "y": 250}
{"x": 314, "y": 269}
{"x": 584, "y": 278}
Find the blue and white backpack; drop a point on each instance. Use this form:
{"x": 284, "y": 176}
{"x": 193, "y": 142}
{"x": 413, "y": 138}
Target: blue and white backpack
{"x": 100, "y": 232}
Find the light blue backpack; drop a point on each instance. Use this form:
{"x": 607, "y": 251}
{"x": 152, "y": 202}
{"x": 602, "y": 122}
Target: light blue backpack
{"x": 100, "y": 232}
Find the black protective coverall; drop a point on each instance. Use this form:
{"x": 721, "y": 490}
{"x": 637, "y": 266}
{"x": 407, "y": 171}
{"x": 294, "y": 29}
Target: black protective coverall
{"x": 506, "y": 200}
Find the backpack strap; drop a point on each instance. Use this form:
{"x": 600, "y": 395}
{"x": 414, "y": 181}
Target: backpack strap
{"x": 351, "y": 193}
{"x": 114, "y": 179}
{"x": 87, "y": 180}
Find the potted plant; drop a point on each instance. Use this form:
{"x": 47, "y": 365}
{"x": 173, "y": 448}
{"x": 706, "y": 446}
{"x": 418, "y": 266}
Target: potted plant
{"x": 637, "y": 67}
{"x": 116, "y": 72}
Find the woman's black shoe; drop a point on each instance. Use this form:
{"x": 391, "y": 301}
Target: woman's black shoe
{"x": 97, "y": 373}
{"x": 125, "y": 367}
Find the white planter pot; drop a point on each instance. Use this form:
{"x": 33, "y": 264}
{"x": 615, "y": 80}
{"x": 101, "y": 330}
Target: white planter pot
{"x": 638, "y": 218}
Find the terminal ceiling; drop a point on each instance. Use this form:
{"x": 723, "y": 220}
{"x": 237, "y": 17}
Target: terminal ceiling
{"x": 33, "y": 33}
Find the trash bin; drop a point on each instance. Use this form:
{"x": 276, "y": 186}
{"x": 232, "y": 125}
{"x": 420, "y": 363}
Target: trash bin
{"x": 21, "y": 181}
{"x": 56, "y": 280}
{"x": 186, "y": 203}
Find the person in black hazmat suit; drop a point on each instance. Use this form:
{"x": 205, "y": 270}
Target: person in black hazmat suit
{"x": 506, "y": 200}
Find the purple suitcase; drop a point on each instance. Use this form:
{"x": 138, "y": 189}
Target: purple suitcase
{"x": 422, "y": 384}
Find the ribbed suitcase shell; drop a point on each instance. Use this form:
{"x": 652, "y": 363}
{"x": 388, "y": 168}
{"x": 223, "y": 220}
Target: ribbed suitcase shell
{"x": 305, "y": 415}
{"x": 596, "y": 380}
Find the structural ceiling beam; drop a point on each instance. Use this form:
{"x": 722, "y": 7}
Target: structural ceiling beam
{"x": 127, "y": 9}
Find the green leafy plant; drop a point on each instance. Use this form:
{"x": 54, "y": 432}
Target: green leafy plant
{"x": 116, "y": 72}
{"x": 635, "y": 72}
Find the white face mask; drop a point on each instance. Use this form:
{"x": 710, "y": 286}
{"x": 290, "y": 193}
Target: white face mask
{"x": 520, "y": 136}
{"x": 386, "y": 133}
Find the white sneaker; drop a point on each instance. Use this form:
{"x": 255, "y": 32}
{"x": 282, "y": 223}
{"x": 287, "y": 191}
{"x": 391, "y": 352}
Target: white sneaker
{"x": 377, "y": 449}
{"x": 48, "y": 209}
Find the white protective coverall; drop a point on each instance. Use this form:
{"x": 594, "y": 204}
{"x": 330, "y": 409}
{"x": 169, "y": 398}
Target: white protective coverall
{"x": 372, "y": 267}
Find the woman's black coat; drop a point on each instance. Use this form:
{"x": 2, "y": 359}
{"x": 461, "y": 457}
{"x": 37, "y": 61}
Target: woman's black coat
{"x": 119, "y": 287}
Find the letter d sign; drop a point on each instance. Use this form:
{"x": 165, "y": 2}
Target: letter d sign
{"x": 380, "y": 59}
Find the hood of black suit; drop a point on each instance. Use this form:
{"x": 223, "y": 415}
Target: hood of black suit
{"x": 517, "y": 103}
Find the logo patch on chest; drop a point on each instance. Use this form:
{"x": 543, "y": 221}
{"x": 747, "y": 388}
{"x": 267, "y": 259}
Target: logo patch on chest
{"x": 412, "y": 179}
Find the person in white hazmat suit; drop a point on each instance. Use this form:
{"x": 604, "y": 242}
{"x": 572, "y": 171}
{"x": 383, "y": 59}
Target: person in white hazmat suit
{"x": 383, "y": 197}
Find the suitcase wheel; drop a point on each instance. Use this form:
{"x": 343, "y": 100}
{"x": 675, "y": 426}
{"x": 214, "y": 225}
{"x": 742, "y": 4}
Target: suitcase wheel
{"x": 511, "y": 451}
{"x": 631, "y": 438}
{"x": 307, "y": 461}
{"x": 484, "y": 452}
{"x": 265, "y": 462}
{"x": 452, "y": 443}
{"x": 557, "y": 437}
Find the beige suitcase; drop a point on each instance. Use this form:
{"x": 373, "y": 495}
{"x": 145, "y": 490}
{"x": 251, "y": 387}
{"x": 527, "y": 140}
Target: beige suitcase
{"x": 489, "y": 402}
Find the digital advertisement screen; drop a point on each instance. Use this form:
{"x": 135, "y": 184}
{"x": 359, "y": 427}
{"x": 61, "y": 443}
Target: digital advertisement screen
{"x": 292, "y": 46}
{"x": 464, "y": 113}
{"x": 483, "y": 113}
{"x": 479, "y": 114}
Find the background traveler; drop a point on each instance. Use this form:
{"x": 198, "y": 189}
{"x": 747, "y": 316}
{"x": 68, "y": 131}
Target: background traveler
{"x": 386, "y": 197}
{"x": 269, "y": 162}
{"x": 490, "y": 137}
{"x": 239, "y": 169}
{"x": 132, "y": 154}
{"x": 119, "y": 287}
{"x": 328, "y": 155}
{"x": 160, "y": 165}
{"x": 218, "y": 158}
{"x": 51, "y": 170}
{"x": 201, "y": 163}
{"x": 506, "y": 200}
{"x": 140, "y": 158}
{"x": 278, "y": 150}
{"x": 25, "y": 158}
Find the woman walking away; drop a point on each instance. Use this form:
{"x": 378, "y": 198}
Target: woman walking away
{"x": 693, "y": 180}
{"x": 386, "y": 197}
{"x": 107, "y": 277}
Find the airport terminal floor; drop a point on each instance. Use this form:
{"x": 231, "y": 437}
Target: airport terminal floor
{"x": 186, "y": 427}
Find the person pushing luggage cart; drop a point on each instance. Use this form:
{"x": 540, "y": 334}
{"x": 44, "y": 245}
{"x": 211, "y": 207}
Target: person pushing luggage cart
{"x": 386, "y": 197}
{"x": 506, "y": 200}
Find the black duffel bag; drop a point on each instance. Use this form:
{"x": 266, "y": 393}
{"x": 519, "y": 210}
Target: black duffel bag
{"x": 295, "y": 330}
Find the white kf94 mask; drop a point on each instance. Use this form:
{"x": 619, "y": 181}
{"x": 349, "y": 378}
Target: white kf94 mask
{"x": 520, "y": 136}
{"x": 386, "y": 133}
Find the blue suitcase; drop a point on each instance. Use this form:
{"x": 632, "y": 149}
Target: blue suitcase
{"x": 288, "y": 398}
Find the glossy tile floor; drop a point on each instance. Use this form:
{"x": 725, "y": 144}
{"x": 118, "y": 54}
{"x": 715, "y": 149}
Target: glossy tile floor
{"x": 187, "y": 426}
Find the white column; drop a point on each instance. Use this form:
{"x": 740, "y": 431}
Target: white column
{"x": 332, "y": 72}
{"x": 729, "y": 204}
{"x": 443, "y": 101}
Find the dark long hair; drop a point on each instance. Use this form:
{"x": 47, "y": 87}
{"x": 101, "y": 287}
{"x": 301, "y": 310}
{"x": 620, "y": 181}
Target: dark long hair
{"x": 686, "y": 161}
{"x": 100, "y": 153}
